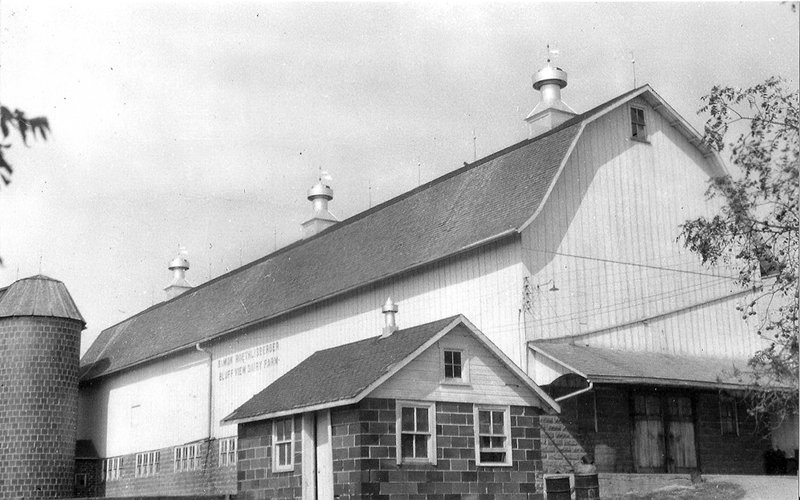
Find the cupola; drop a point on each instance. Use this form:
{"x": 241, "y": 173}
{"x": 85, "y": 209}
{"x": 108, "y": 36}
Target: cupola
{"x": 551, "y": 110}
{"x": 319, "y": 195}
{"x": 178, "y": 266}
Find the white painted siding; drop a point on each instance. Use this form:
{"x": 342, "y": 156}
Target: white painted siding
{"x": 490, "y": 382}
{"x": 483, "y": 285}
{"x": 158, "y": 405}
{"x": 607, "y": 239}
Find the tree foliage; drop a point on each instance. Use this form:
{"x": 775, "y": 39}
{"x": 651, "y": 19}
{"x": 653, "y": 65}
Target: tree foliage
{"x": 26, "y": 128}
{"x": 756, "y": 228}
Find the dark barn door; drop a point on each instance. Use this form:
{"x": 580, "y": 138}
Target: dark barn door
{"x": 663, "y": 433}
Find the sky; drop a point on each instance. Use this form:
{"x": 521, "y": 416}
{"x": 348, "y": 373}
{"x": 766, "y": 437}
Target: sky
{"x": 202, "y": 125}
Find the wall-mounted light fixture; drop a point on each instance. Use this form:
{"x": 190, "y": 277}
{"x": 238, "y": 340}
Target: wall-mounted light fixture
{"x": 552, "y": 282}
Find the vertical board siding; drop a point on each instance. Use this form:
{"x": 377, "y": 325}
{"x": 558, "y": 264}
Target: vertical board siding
{"x": 485, "y": 285}
{"x": 608, "y": 236}
{"x": 171, "y": 400}
{"x": 490, "y": 382}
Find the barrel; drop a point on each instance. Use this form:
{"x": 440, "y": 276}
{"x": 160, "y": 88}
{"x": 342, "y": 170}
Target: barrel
{"x": 587, "y": 487}
{"x": 557, "y": 488}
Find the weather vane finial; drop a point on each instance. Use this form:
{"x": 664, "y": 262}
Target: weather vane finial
{"x": 551, "y": 53}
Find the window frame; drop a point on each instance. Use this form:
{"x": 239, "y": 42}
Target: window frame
{"x": 183, "y": 461}
{"x": 147, "y": 464}
{"x": 81, "y": 480}
{"x": 276, "y": 466}
{"x": 111, "y": 469}
{"x": 227, "y": 453}
{"x": 729, "y": 400}
{"x": 507, "y": 434}
{"x": 631, "y": 123}
{"x": 464, "y": 379}
{"x": 432, "y": 448}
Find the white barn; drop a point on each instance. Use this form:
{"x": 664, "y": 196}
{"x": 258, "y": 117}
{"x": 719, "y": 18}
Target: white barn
{"x": 559, "y": 248}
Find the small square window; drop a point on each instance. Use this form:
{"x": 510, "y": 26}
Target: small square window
{"x": 638, "y": 127}
{"x": 416, "y": 432}
{"x": 492, "y": 435}
{"x": 455, "y": 369}
{"x": 452, "y": 364}
{"x": 283, "y": 445}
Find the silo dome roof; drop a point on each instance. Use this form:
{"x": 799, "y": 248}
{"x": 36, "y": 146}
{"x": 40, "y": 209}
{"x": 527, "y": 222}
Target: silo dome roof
{"x": 38, "y": 296}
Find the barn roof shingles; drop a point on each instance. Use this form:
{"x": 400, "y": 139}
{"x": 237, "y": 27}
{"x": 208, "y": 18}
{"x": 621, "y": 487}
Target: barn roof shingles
{"x": 466, "y": 207}
{"x": 338, "y": 374}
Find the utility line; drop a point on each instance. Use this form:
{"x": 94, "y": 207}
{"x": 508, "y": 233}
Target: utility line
{"x": 634, "y": 264}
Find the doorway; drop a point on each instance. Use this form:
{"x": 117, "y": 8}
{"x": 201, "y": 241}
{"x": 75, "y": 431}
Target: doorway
{"x": 663, "y": 433}
{"x": 317, "y": 463}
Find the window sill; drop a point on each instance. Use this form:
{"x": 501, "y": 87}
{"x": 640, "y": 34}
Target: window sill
{"x": 454, "y": 381}
{"x": 492, "y": 464}
{"x": 417, "y": 461}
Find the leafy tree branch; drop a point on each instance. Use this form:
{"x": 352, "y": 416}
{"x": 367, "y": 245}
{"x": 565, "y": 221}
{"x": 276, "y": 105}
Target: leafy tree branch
{"x": 756, "y": 227}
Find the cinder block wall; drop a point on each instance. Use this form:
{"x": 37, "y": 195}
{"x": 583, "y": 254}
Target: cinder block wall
{"x": 255, "y": 477}
{"x": 365, "y": 462}
{"x": 572, "y": 433}
{"x": 208, "y": 479}
{"x": 39, "y": 358}
{"x": 364, "y": 458}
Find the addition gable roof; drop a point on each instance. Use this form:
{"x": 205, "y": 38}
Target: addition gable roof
{"x": 347, "y": 373}
{"x": 491, "y": 199}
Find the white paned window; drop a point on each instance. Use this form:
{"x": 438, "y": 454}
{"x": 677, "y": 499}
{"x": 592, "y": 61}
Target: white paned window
{"x": 147, "y": 464}
{"x": 227, "y": 452}
{"x": 492, "y": 435}
{"x": 187, "y": 457}
{"x": 728, "y": 416}
{"x": 283, "y": 445}
{"x": 112, "y": 469}
{"x": 455, "y": 368}
{"x": 416, "y": 432}
{"x": 638, "y": 128}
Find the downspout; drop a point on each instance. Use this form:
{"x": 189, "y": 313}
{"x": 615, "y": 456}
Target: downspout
{"x": 210, "y": 387}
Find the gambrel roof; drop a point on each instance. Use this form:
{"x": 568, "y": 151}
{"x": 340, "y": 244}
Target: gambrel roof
{"x": 490, "y": 199}
{"x": 347, "y": 373}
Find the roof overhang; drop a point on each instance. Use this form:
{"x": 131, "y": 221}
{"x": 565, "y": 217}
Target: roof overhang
{"x": 622, "y": 367}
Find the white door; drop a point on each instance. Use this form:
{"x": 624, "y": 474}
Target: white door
{"x": 324, "y": 456}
